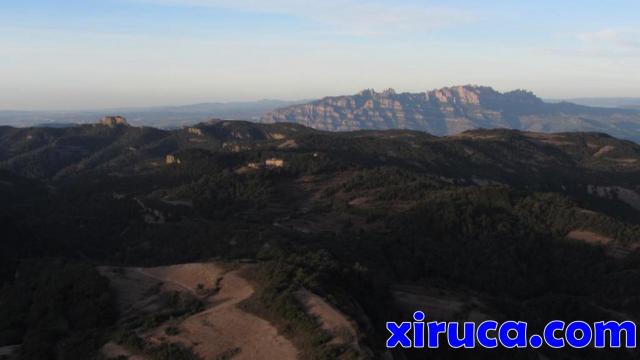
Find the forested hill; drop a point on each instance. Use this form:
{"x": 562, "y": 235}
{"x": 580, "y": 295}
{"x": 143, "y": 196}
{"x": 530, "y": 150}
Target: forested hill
{"x": 453, "y": 110}
{"x": 485, "y": 224}
{"x": 496, "y": 155}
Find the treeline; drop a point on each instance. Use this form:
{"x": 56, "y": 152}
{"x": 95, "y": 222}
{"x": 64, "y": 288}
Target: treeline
{"x": 56, "y": 309}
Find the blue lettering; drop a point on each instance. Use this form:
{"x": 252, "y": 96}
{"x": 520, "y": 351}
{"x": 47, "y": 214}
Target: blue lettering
{"x": 398, "y": 334}
{"x": 483, "y": 334}
{"x": 435, "y": 329}
{"x": 615, "y": 330}
{"x": 418, "y": 329}
{"x": 550, "y": 334}
{"x": 520, "y": 338}
{"x": 468, "y": 339}
{"x": 585, "y": 337}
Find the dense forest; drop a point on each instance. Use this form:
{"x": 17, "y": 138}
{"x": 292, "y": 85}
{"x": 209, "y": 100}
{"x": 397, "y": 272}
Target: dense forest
{"x": 513, "y": 225}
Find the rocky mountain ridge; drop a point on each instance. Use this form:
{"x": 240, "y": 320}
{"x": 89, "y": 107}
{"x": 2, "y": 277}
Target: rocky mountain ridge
{"x": 455, "y": 109}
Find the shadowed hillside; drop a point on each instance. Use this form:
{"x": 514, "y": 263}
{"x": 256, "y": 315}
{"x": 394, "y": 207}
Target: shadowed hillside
{"x": 336, "y": 233}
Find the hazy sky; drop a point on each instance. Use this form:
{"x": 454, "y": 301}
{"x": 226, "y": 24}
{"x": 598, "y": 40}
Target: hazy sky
{"x": 73, "y": 54}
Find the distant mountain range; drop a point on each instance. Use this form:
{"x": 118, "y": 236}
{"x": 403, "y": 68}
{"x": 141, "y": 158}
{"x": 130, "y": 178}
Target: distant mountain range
{"x": 453, "y": 110}
{"x": 611, "y": 102}
{"x": 445, "y": 111}
{"x": 160, "y": 117}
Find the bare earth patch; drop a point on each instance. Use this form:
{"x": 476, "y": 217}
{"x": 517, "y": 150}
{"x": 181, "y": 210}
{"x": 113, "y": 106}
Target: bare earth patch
{"x": 185, "y": 277}
{"x": 605, "y": 149}
{"x": 589, "y": 237}
{"x": 547, "y": 138}
{"x": 331, "y": 319}
{"x": 222, "y": 330}
{"x": 360, "y": 201}
{"x": 628, "y": 161}
{"x": 613, "y": 248}
{"x": 475, "y": 136}
{"x": 289, "y": 144}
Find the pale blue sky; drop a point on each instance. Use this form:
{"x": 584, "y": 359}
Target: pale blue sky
{"x": 76, "y": 54}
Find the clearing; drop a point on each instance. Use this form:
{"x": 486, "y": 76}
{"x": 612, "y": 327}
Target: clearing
{"x": 221, "y": 330}
{"x": 589, "y": 237}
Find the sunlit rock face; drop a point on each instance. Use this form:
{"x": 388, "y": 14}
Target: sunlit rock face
{"x": 112, "y": 121}
{"x": 453, "y": 110}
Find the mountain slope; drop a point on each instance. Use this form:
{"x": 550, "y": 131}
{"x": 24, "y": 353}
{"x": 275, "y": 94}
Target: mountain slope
{"x": 485, "y": 224}
{"x": 453, "y": 110}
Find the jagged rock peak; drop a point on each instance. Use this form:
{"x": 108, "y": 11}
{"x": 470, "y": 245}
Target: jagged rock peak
{"x": 523, "y": 96}
{"x": 448, "y": 110}
{"x": 367, "y": 92}
{"x": 476, "y": 95}
{"x": 388, "y": 92}
{"x": 462, "y": 93}
{"x": 469, "y": 94}
{"x": 373, "y": 93}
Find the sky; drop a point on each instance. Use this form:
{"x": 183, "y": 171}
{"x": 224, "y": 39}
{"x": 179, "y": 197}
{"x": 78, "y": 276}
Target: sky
{"x": 88, "y": 54}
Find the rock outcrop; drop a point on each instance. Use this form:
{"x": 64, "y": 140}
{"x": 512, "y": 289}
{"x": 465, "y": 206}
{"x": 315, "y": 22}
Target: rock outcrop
{"x": 113, "y": 121}
{"x": 172, "y": 159}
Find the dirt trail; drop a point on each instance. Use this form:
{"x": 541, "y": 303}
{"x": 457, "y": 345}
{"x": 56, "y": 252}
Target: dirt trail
{"x": 223, "y": 330}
